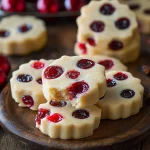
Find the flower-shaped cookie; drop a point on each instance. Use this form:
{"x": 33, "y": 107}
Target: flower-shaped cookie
{"x": 109, "y": 28}
{"x": 26, "y": 84}
{"x": 61, "y": 120}
{"x": 123, "y": 97}
{"x": 20, "y": 35}
{"x": 80, "y": 80}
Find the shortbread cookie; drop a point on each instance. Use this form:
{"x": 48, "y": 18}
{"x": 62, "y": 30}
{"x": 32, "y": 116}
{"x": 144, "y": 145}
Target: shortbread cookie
{"x": 108, "y": 28}
{"x": 124, "y": 96}
{"x": 142, "y": 11}
{"x": 61, "y": 120}
{"x": 76, "y": 79}
{"x": 26, "y": 84}
{"x": 20, "y": 35}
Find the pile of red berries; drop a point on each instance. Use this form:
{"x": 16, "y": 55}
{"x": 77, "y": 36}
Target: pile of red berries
{"x": 43, "y": 6}
{"x": 4, "y": 70}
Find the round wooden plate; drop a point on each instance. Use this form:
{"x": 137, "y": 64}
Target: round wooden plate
{"x": 111, "y": 134}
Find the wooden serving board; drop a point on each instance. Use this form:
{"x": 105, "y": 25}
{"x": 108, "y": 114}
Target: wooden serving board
{"x": 120, "y": 134}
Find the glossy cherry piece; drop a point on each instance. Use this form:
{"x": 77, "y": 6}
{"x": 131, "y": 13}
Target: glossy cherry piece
{"x": 53, "y": 72}
{"x": 115, "y": 45}
{"x": 24, "y": 78}
{"x": 39, "y": 81}
{"x": 4, "y": 64}
{"x": 58, "y": 104}
{"x": 110, "y": 82}
{"x": 48, "y": 6}
{"x": 24, "y": 28}
{"x": 127, "y": 93}
{"x": 28, "y": 100}
{"x": 122, "y": 23}
{"x": 85, "y": 64}
{"x": 147, "y": 11}
{"x": 91, "y": 41}
{"x": 108, "y": 64}
{"x": 55, "y": 118}
{"x": 13, "y": 5}
{"x": 107, "y": 9}
{"x": 41, "y": 114}
{"x": 3, "y": 79}
{"x": 120, "y": 76}
{"x": 38, "y": 65}
{"x": 134, "y": 6}
{"x": 97, "y": 26}
{"x": 4, "y": 33}
{"x": 73, "y": 74}
{"x": 82, "y": 47}
{"x": 80, "y": 114}
{"x": 77, "y": 88}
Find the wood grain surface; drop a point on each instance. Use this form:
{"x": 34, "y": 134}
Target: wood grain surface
{"x": 61, "y": 41}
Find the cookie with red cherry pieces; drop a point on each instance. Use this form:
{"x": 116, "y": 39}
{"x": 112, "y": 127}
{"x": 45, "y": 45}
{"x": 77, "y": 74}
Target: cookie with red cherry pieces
{"x": 26, "y": 84}
{"x": 123, "y": 97}
{"x": 61, "y": 120}
{"x": 108, "y": 28}
{"x": 20, "y": 35}
{"x": 142, "y": 11}
{"x": 75, "y": 79}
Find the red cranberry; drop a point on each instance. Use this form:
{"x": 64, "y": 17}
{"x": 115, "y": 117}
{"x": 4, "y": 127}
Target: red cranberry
{"x": 110, "y": 83}
{"x": 97, "y": 26}
{"x": 24, "y": 28}
{"x": 80, "y": 114}
{"x": 13, "y": 5}
{"x": 58, "y": 104}
{"x": 85, "y": 63}
{"x": 107, "y": 9}
{"x": 122, "y": 23}
{"x": 4, "y": 64}
{"x": 41, "y": 114}
{"x": 53, "y": 72}
{"x": 55, "y": 118}
{"x": 134, "y": 6}
{"x": 73, "y": 74}
{"x": 3, "y": 79}
{"x": 82, "y": 48}
{"x": 115, "y": 45}
{"x": 39, "y": 80}
{"x": 48, "y": 6}
{"x": 24, "y": 78}
{"x": 108, "y": 64}
{"x": 38, "y": 65}
{"x": 28, "y": 100}
{"x": 91, "y": 41}
{"x": 77, "y": 88}
{"x": 147, "y": 11}
{"x": 120, "y": 76}
{"x": 4, "y": 33}
{"x": 127, "y": 93}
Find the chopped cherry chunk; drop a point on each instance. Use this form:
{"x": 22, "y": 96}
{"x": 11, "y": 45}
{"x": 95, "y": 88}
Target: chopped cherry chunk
{"x": 41, "y": 114}
{"x": 107, "y": 9}
{"x": 122, "y": 23}
{"x": 80, "y": 114}
{"x": 28, "y": 100}
{"x": 108, "y": 64}
{"x": 4, "y": 33}
{"x": 73, "y": 74}
{"x": 82, "y": 47}
{"x": 3, "y": 79}
{"x": 127, "y": 93}
{"x": 85, "y": 63}
{"x": 147, "y": 11}
{"x": 24, "y": 28}
{"x": 115, "y": 45}
{"x": 77, "y": 88}
{"x": 55, "y": 118}
{"x": 97, "y": 26}
{"x": 120, "y": 76}
{"x": 111, "y": 82}
{"x": 91, "y": 41}
{"x": 38, "y": 65}
{"x": 24, "y": 78}
{"x": 39, "y": 80}
{"x": 58, "y": 104}
{"x": 134, "y": 6}
{"x": 53, "y": 72}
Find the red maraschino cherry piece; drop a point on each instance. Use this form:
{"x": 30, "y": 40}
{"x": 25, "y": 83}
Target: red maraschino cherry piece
{"x": 115, "y": 45}
{"x": 55, "y": 118}
{"x": 127, "y": 93}
{"x": 91, "y": 41}
{"x": 110, "y": 82}
{"x": 82, "y": 47}
{"x": 108, "y": 64}
{"x": 107, "y": 9}
{"x": 39, "y": 81}
{"x": 85, "y": 64}
{"x": 24, "y": 28}
{"x": 73, "y": 74}
{"x": 24, "y": 78}
{"x": 122, "y": 23}
{"x": 38, "y": 65}
{"x": 3, "y": 79}
{"x": 97, "y": 26}
{"x": 120, "y": 76}
{"x": 80, "y": 114}
{"x": 28, "y": 100}
{"x": 4, "y": 33}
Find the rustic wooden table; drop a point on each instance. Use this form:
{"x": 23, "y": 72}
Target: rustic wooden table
{"x": 62, "y": 38}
